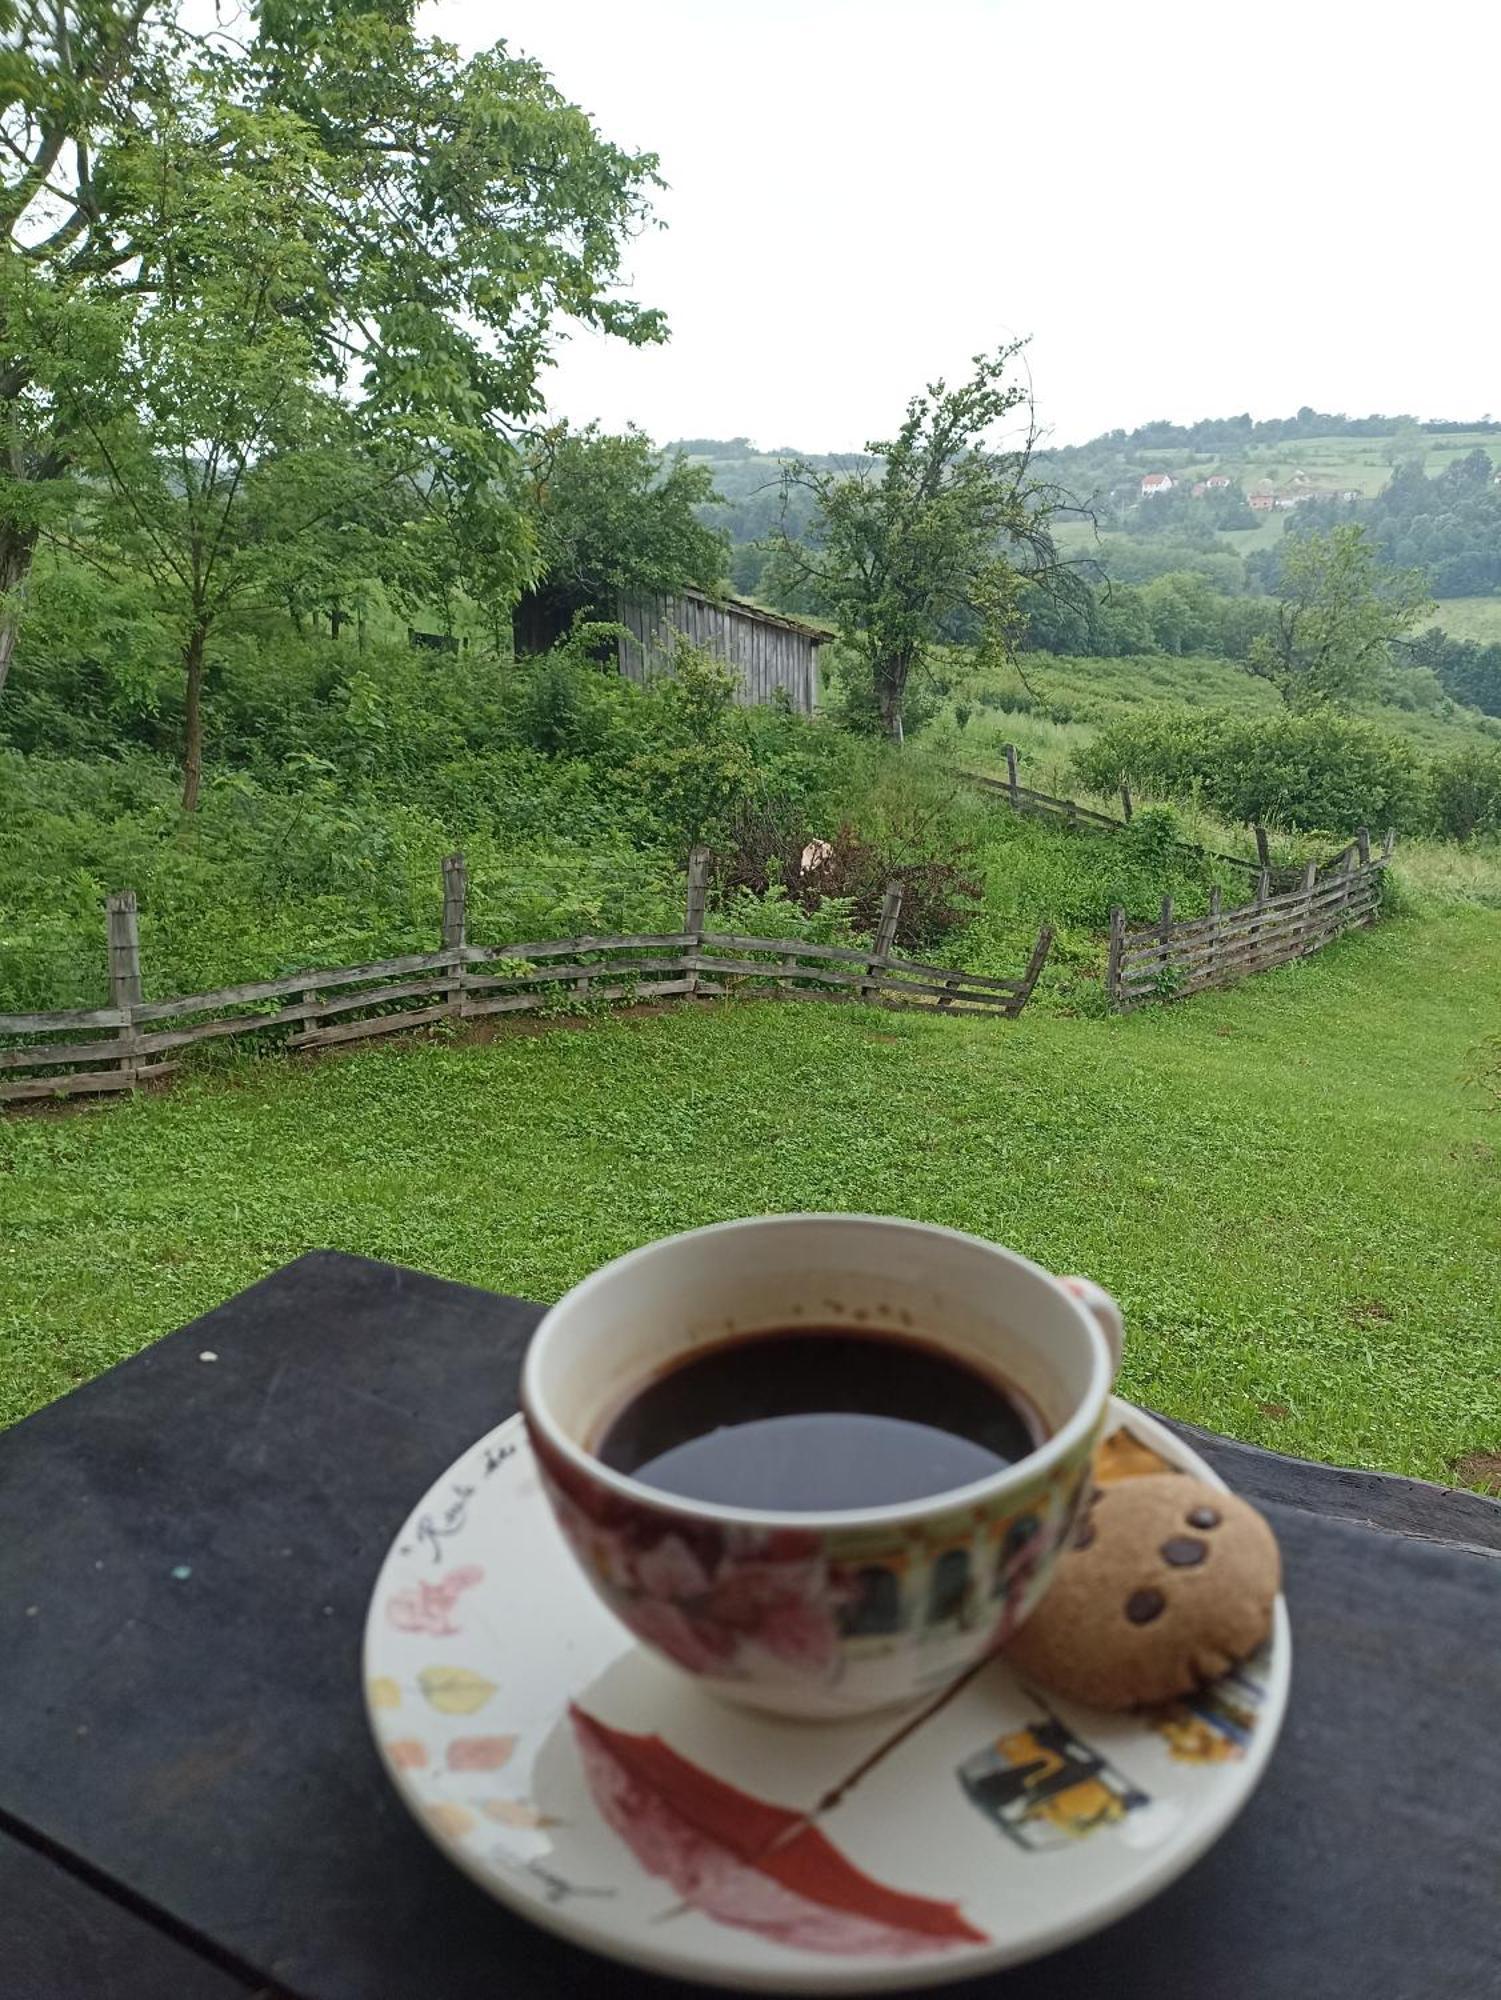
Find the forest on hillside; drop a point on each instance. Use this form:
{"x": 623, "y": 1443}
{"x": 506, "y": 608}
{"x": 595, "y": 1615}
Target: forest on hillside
{"x": 1194, "y": 567}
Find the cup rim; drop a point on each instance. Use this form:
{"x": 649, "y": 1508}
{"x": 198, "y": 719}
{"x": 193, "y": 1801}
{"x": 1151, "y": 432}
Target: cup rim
{"x": 1057, "y": 1448}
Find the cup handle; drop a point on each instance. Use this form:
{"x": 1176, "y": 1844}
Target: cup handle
{"x": 1107, "y": 1315}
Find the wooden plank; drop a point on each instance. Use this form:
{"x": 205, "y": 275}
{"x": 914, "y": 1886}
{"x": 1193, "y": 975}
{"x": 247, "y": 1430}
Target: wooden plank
{"x": 1281, "y": 950}
{"x": 734, "y": 941}
{"x": 1334, "y": 891}
{"x": 71, "y": 1085}
{"x": 375, "y": 1024}
{"x": 293, "y": 982}
{"x": 552, "y": 975}
{"x": 1113, "y": 955}
{"x": 531, "y": 1003}
{"x": 844, "y": 954}
{"x": 885, "y": 937}
{"x": 942, "y": 980}
{"x": 1207, "y": 977}
{"x": 81, "y": 1083}
{"x": 892, "y": 1005}
{"x": 61, "y": 1019}
{"x": 1032, "y": 971}
{"x": 1142, "y": 947}
{"x": 986, "y": 979}
{"x": 315, "y": 1008}
{"x": 695, "y": 906}
{"x": 124, "y": 970}
{"x": 455, "y": 911}
{"x": 559, "y": 947}
{"x": 124, "y": 949}
{"x": 39, "y": 1054}
{"x": 1228, "y": 943}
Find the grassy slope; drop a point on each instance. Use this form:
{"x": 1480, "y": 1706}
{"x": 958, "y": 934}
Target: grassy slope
{"x": 1294, "y": 1187}
{"x": 1363, "y": 463}
{"x": 1469, "y": 618}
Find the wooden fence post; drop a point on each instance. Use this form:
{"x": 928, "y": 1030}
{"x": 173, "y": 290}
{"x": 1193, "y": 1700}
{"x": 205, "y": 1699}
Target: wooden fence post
{"x": 1011, "y": 776}
{"x": 693, "y": 914}
{"x": 455, "y": 919}
{"x": 1033, "y": 969}
{"x": 1126, "y": 799}
{"x": 124, "y": 969}
{"x": 1310, "y": 883}
{"x": 1363, "y": 845}
{"x": 1165, "y": 933}
{"x": 1263, "y": 852}
{"x": 885, "y": 938}
{"x": 1214, "y": 936}
{"x": 1389, "y": 844}
{"x": 1113, "y": 963}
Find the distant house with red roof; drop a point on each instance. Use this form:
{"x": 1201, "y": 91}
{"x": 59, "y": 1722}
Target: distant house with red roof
{"x": 1216, "y": 480}
{"x": 1156, "y": 482}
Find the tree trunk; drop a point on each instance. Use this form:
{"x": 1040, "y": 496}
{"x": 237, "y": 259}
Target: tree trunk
{"x": 338, "y": 618}
{"x": 17, "y": 546}
{"x": 892, "y": 687}
{"x": 192, "y": 717}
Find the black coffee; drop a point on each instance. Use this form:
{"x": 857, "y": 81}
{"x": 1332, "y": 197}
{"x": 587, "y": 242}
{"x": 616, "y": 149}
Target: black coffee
{"x": 812, "y": 1420}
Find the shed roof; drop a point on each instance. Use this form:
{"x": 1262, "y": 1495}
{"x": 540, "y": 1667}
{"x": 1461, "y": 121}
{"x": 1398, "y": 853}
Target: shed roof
{"x": 743, "y": 608}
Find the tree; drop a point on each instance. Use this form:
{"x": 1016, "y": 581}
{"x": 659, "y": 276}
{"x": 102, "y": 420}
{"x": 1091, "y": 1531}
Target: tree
{"x": 210, "y": 457}
{"x": 1338, "y": 615}
{"x": 936, "y": 523}
{"x": 78, "y": 77}
{"x": 609, "y": 515}
{"x": 453, "y": 211}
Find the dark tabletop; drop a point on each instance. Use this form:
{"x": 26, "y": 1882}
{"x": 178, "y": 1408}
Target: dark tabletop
{"x": 190, "y": 1803}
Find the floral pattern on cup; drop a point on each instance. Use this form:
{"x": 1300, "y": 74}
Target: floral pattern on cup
{"x": 737, "y": 1602}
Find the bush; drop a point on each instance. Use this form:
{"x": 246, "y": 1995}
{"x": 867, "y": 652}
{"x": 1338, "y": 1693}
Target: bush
{"x": 1466, "y": 793}
{"x": 1320, "y": 770}
{"x": 767, "y": 854}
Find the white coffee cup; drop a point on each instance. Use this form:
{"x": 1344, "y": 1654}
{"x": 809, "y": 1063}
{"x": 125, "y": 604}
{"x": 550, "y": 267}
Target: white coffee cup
{"x": 821, "y": 1614}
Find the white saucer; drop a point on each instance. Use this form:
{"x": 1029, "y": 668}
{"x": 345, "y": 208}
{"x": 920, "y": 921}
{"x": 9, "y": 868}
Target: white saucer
{"x": 606, "y": 1796}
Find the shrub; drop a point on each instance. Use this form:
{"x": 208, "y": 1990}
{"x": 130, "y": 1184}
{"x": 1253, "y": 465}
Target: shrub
{"x": 562, "y": 712}
{"x": 1318, "y": 770}
{"x": 1466, "y": 793}
{"x": 939, "y": 891}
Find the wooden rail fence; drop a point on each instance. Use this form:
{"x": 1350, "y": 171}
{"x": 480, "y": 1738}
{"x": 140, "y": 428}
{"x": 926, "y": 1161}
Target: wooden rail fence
{"x": 465, "y": 982}
{"x": 1166, "y": 961}
{"x": 1044, "y": 805}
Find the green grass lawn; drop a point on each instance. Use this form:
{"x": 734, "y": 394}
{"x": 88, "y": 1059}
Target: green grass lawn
{"x": 1476, "y": 618}
{"x": 1294, "y": 1187}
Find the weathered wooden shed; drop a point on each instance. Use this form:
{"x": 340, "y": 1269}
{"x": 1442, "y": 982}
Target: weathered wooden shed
{"x": 766, "y": 650}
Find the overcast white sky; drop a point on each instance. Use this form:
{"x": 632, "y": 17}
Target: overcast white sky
{"x": 1194, "y": 209}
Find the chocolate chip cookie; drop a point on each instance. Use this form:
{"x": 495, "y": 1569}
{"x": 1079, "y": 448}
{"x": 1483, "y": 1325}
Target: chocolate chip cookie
{"x": 1168, "y": 1583}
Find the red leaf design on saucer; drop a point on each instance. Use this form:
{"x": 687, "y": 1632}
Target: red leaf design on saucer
{"x": 744, "y": 1861}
